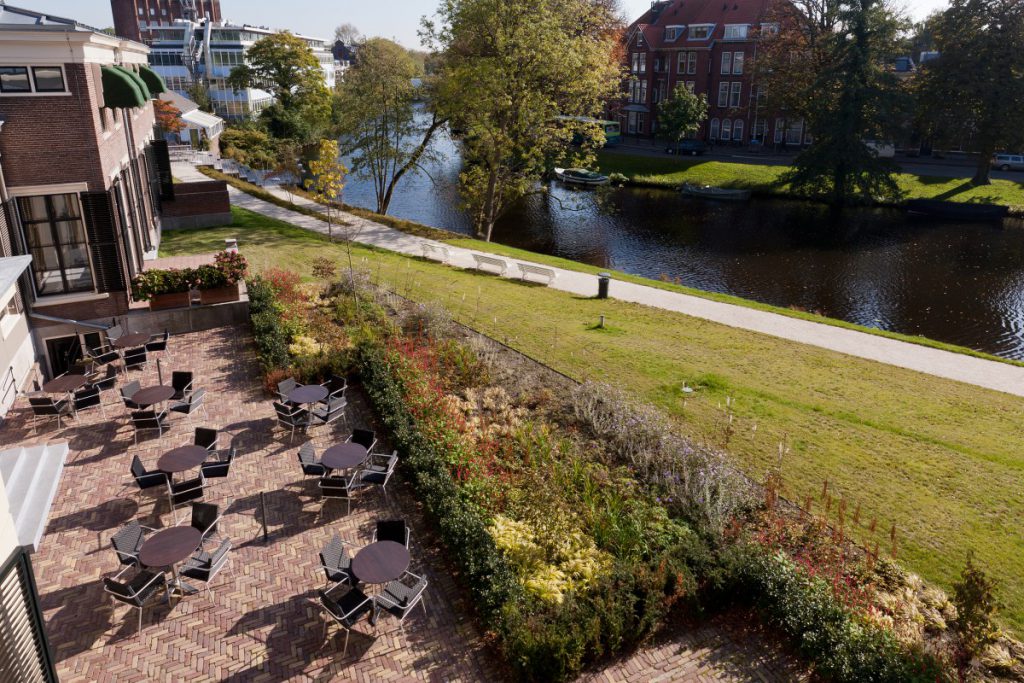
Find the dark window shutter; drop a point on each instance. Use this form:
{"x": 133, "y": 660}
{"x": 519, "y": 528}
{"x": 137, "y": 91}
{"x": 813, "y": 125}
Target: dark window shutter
{"x": 153, "y": 180}
{"x": 163, "y": 168}
{"x": 101, "y": 226}
{"x": 24, "y": 653}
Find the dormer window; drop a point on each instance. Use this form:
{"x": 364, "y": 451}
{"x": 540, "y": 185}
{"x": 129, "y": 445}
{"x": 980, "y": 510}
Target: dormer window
{"x": 701, "y": 31}
{"x": 736, "y": 31}
{"x": 769, "y": 29}
{"x": 672, "y": 33}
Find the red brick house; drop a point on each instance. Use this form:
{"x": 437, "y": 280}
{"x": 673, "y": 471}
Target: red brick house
{"x": 80, "y": 177}
{"x": 710, "y": 46}
{"x": 133, "y": 19}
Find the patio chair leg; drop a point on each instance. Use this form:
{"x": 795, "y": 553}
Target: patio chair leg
{"x": 140, "y": 622}
{"x": 344, "y": 651}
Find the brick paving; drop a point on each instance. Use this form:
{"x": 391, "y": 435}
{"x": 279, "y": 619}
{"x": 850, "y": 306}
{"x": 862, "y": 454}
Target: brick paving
{"x": 261, "y": 623}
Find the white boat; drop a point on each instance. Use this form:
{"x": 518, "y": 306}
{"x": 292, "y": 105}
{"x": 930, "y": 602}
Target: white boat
{"x": 710, "y": 192}
{"x": 580, "y": 176}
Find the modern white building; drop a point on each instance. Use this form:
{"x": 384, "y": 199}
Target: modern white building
{"x": 186, "y": 51}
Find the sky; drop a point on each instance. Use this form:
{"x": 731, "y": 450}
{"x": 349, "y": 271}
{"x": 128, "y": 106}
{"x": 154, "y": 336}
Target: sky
{"x": 395, "y": 19}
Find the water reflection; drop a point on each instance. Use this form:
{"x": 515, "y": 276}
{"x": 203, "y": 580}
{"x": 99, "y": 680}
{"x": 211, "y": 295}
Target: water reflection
{"x": 960, "y": 283}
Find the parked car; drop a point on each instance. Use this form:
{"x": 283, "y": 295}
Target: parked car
{"x": 882, "y": 150}
{"x": 1008, "y": 162}
{"x": 688, "y": 147}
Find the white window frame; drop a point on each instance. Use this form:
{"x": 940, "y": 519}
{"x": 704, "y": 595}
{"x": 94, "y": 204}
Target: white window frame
{"x": 714, "y": 129}
{"x": 726, "y": 63}
{"x": 736, "y": 95}
{"x": 32, "y": 92}
{"x": 769, "y": 29}
{"x": 780, "y": 127}
{"x": 723, "y": 94}
{"x": 737, "y": 130}
{"x": 740, "y": 31}
{"x": 710, "y": 28}
{"x": 737, "y": 63}
{"x": 726, "y": 130}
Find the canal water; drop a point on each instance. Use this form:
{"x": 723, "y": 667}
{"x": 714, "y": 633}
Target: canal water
{"x": 961, "y": 283}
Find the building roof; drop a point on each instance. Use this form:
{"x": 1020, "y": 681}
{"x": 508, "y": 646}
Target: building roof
{"x": 19, "y": 18}
{"x": 685, "y": 13}
{"x": 11, "y": 269}
{"x": 208, "y": 122}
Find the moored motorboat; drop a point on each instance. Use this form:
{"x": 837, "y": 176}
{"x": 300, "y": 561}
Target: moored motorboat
{"x": 960, "y": 211}
{"x": 580, "y": 176}
{"x": 723, "y": 193}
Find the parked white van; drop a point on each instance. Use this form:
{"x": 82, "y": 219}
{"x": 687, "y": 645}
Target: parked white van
{"x": 1008, "y": 162}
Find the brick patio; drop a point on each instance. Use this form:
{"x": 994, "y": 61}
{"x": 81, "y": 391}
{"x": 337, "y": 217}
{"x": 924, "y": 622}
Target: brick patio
{"x": 261, "y": 623}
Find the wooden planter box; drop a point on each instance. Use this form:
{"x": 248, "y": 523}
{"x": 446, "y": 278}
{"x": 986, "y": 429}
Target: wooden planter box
{"x": 162, "y": 302}
{"x": 219, "y": 296}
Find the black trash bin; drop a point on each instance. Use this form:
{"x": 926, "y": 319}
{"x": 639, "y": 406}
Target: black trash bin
{"x": 603, "y": 282}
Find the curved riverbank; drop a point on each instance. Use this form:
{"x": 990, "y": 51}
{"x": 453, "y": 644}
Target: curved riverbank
{"x": 764, "y": 180}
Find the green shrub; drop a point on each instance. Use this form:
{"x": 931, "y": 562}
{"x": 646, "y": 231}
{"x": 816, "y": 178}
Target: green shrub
{"x": 151, "y": 283}
{"x": 268, "y": 327}
{"x": 976, "y": 606}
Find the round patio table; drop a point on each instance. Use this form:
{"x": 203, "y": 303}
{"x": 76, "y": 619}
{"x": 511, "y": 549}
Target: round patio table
{"x": 182, "y": 459}
{"x": 308, "y": 393}
{"x": 168, "y": 547}
{"x": 380, "y": 562}
{"x": 65, "y": 384}
{"x": 130, "y": 340}
{"x": 150, "y": 396}
{"x": 344, "y": 456}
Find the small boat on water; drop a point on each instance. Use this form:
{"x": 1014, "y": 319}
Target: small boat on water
{"x": 723, "y": 193}
{"x": 958, "y": 211}
{"x": 580, "y": 176}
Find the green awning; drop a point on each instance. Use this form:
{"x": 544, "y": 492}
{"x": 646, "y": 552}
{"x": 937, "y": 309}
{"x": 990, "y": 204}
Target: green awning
{"x": 143, "y": 88}
{"x": 120, "y": 91}
{"x": 153, "y": 80}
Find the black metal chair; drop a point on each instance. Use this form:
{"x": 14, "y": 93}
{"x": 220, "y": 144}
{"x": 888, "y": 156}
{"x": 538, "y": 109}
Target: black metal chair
{"x": 181, "y": 382}
{"x": 129, "y": 390}
{"x": 336, "y": 387}
{"x": 184, "y": 492}
{"x": 378, "y": 470}
{"x": 107, "y": 381}
{"x": 336, "y": 562}
{"x": 365, "y": 438}
{"x": 89, "y": 397}
{"x": 149, "y": 421}
{"x": 45, "y": 407}
{"x": 205, "y": 566}
{"x": 191, "y": 404}
{"x": 104, "y": 356}
{"x": 146, "y": 479}
{"x": 325, "y": 414}
{"x": 346, "y": 609}
{"x": 392, "y": 530}
{"x": 285, "y": 387}
{"x": 139, "y": 591}
{"x": 136, "y": 359}
{"x": 311, "y": 467}
{"x": 159, "y": 342}
{"x": 206, "y": 438}
{"x": 291, "y": 418}
{"x": 128, "y": 541}
{"x": 401, "y": 596}
{"x": 340, "y": 488}
{"x": 219, "y": 468}
{"x": 205, "y": 517}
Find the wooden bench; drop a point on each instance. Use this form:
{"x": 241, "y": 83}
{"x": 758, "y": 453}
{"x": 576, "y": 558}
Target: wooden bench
{"x": 484, "y": 262}
{"x": 547, "y": 274}
{"x": 436, "y": 252}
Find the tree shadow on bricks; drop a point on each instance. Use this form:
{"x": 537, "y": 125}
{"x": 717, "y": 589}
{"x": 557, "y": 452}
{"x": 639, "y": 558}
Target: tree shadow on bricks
{"x": 286, "y": 515}
{"x": 295, "y": 640}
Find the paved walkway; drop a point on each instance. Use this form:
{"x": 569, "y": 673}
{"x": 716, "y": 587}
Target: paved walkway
{"x": 977, "y": 371}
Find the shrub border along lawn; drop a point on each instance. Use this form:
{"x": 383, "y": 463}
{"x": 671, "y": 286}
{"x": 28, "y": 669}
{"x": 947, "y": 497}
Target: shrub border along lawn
{"x": 459, "y": 240}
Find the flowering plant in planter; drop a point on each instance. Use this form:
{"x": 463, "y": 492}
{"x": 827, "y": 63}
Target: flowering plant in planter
{"x": 153, "y": 283}
{"x": 210, "y": 277}
{"x": 233, "y": 265}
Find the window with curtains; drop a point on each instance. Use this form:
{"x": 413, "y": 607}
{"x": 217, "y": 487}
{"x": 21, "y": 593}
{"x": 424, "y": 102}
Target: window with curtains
{"x": 723, "y": 94}
{"x": 737, "y": 63}
{"x": 56, "y": 240}
{"x": 726, "y": 62}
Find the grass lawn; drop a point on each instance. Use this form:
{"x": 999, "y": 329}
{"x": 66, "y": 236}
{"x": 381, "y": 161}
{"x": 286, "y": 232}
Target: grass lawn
{"x": 674, "y": 171}
{"x": 942, "y": 461}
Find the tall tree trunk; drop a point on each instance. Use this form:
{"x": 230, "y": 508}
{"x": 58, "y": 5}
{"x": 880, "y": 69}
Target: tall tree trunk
{"x": 385, "y": 200}
{"x": 983, "y": 173}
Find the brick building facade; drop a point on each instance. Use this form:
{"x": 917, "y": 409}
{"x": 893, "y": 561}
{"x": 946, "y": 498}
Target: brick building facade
{"x": 134, "y": 18}
{"x": 79, "y": 174}
{"x": 710, "y": 46}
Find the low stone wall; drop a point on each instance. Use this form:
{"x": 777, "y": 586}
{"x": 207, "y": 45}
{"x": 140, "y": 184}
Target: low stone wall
{"x": 192, "y": 319}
